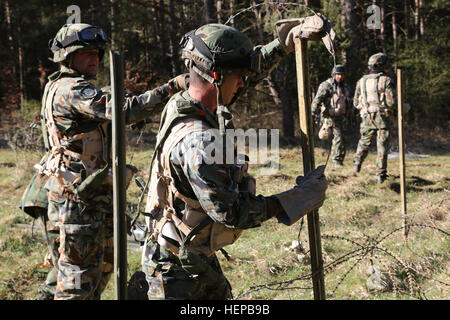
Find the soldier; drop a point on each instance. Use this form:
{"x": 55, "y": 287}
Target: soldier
{"x": 332, "y": 101}
{"x": 197, "y": 204}
{"x": 374, "y": 98}
{"x": 76, "y": 117}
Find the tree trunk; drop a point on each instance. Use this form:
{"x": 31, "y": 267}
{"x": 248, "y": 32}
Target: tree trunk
{"x": 232, "y": 12}
{"x": 382, "y": 27}
{"x": 172, "y": 40}
{"x": 394, "y": 37}
{"x": 406, "y": 14}
{"x": 20, "y": 52}
{"x": 210, "y": 11}
{"x": 114, "y": 45}
{"x": 286, "y": 106}
{"x": 219, "y": 11}
{"x": 146, "y": 40}
{"x": 416, "y": 20}
{"x": 348, "y": 23}
{"x": 158, "y": 22}
{"x": 10, "y": 35}
{"x": 421, "y": 24}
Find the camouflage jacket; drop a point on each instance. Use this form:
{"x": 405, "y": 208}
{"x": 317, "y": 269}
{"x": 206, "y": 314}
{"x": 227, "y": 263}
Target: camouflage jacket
{"x": 81, "y": 114}
{"x": 325, "y": 93}
{"x": 79, "y": 106}
{"x": 213, "y": 184}
{"x": 198, "y": 176}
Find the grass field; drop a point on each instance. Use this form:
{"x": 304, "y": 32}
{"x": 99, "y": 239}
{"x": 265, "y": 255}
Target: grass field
{"x": 361, "y": 229}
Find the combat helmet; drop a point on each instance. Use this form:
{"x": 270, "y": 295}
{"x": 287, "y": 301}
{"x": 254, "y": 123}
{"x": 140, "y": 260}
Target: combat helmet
{"x": 216, "y": 49}
{"x": 378, "y": 61}
{"x": 74, "y": 37}
{"x": 339, "y": 68}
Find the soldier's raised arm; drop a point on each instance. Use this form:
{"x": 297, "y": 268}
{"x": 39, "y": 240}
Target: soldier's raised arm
{"x": 93, "y": 102}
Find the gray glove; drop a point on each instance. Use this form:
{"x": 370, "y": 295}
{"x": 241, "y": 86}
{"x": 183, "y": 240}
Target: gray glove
{"x": 307, "y": 196}
{"x": 179, "y": 83}
{"x": 314, "y": 27}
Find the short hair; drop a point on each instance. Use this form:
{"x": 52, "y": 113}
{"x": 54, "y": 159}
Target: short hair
{"x": 196, "y": 79}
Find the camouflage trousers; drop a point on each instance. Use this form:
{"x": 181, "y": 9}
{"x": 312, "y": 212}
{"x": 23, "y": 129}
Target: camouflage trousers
{"x": 168, "y": 278}
{"x": 371, "y": 126}
{"x": 85, "y": 256}
{"x": 338, "y": 142}
{"x": 46, "y": 290}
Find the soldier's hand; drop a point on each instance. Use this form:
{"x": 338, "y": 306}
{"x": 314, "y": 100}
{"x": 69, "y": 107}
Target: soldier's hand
{"x": 306, "y": 196}
{"x": 312, "y": 28}
{"x": 179, "y": 83}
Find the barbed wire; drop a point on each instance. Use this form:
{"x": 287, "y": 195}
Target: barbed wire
{"x": 366, "y": 250}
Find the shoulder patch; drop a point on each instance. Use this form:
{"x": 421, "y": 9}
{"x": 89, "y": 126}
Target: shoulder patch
{"x": 88, "y": 92}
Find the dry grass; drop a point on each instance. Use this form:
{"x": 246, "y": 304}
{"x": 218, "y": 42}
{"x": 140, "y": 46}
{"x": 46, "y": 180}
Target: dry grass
{"x": 356, "y": 216}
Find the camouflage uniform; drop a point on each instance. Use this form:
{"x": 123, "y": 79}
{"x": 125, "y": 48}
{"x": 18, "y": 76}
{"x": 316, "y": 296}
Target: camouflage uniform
{"x": 322, "y": 103}
{"x": 219, "y": 196}
{"x": 210, "y": 203}
{"x": 76, "y": 118}
{"x": 46, "y": 290}
{"x": 375, "y": 105}
{"x": 86, "y": 227}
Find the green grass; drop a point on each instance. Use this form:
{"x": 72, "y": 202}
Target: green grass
{"x": 357, "y": 211}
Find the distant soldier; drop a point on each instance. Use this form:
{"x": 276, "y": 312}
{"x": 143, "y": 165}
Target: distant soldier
{"x": 374, "y": 98}
{"x": 333, "y": 102}
{"x": 75, "y": 172}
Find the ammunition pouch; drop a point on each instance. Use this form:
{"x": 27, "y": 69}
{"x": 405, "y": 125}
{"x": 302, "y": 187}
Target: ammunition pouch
{"x": 91, "y": 184}
{"x": 34, "y": 200}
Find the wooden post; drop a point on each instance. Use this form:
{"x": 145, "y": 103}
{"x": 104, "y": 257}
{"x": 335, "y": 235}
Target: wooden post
{"x": 307, "y": 140}
{"x": 401, "y": 150}
{"x": 118, "y": 171}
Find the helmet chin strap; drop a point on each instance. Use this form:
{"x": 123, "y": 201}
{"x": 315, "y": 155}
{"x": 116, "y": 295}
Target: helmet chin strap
{"x": 217, "y": 80}
{"x": 220, "y": 110}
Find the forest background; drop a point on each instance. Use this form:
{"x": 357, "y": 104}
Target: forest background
{"x": 414, "y": 33}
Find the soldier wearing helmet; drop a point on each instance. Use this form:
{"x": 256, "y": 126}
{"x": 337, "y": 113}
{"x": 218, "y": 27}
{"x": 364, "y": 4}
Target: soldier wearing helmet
{"x": 76, "y": 117}
{"x": 375, "y": 99}
{"x": 197, "y": 202}
{"x": 333, "y": 102}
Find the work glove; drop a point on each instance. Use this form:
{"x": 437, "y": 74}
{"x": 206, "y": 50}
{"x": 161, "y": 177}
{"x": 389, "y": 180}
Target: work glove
{"x": 314, "y": 28}
{"x": 179, "y": 83}
{"x": 306, "y": 196}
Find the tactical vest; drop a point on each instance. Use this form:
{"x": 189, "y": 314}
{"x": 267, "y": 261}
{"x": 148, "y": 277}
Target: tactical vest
{"x": 370, "y": 100}
{"x": 166, "y": 227}
{"x": 338, "y": 101}
{"x": 93, "y": 157}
